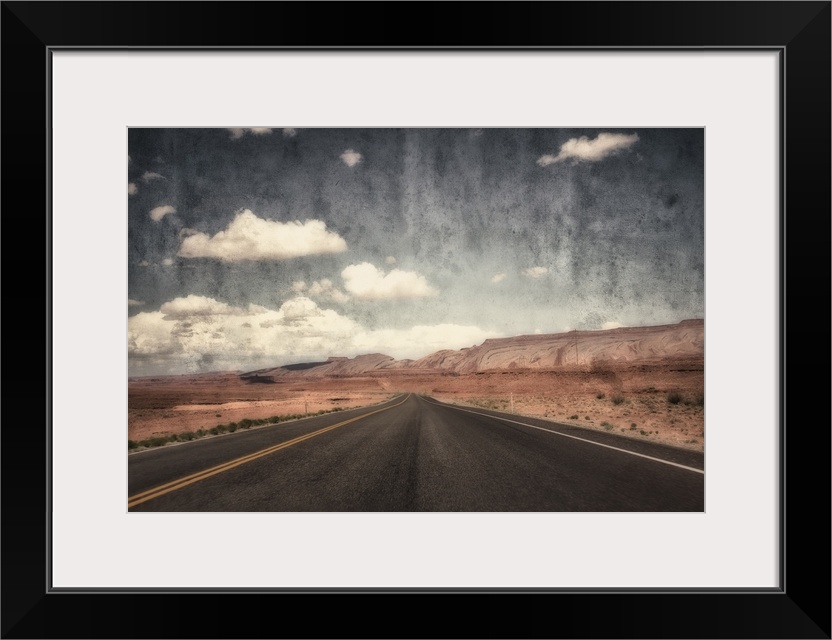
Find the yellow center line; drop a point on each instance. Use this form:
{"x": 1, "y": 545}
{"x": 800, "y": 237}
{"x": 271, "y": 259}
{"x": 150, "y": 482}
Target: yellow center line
{"x": 161, "y": 490}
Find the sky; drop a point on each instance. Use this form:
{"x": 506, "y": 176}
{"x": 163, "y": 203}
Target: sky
{"x": 258, "y": 247}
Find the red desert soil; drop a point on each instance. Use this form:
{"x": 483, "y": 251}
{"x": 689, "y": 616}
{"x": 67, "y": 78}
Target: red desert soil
{"x": 645, "y": 383}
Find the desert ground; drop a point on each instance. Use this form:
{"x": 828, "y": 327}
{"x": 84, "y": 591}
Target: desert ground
{"x": 661, "y": 402}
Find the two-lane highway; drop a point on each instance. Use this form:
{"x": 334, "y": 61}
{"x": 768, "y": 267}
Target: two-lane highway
{"x": 416, "y": 454}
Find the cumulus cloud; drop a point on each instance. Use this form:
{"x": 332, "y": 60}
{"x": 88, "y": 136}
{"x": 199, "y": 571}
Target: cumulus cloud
{"x": 194, "y": 305}
{"x": 498, "y": 277}
{"x": 167, "y": 262}
{"x": 390, "y": 260}
{"x": 328, "y": 291}
{"x": 612, "y": 325}
{"x": 351, "y": 158}
{"x": 289, "y": 132}
{"x": 194, "y": 330}
{"x": 535, "y": 272}
{"x": 144, "y": 263}
{"x": 367, "y": 282}
{"x": 324, "y": 289}
{"x": 150, "y": 176}
{"x": 237, "y": 133}
{"x": 132, "y": 189}
{"x": 585, "y": 150}
{"x": 190, "y": 328}
{"x": 248, "y": 237}
{"x": 160, "y": 212}
{"x": 134, "y": 303}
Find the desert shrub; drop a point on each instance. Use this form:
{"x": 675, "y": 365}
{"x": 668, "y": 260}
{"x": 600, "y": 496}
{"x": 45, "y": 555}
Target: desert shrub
{"x": 214, "y": 431}
{"x": 617, "y": 399}
{"x": 608, "y": 426}
{"x": 185, "y": 436}
{"x": 600, "y": 395}
{"x": 132, "y": 444}
{"x": 674, "y": 397}
{"x": 232, "y": 427}
{"x": 633, "y": 425}
{"x": 700, "y": 400}
{"x": 245, "y": 423}
{"x": 643, "y": 432}
{"x": 587, "y": 418}
{"x": 573, "y": 417}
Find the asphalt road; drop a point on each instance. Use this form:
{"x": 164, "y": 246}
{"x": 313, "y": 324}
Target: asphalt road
{"x": 416, "y": 454}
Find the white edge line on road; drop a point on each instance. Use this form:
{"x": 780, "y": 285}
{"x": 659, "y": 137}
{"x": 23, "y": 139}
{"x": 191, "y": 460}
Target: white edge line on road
{"x": 557, "y": 433}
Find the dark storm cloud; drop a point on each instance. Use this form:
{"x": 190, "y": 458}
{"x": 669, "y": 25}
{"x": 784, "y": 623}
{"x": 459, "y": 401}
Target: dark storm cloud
{"x": 610, "y": 221}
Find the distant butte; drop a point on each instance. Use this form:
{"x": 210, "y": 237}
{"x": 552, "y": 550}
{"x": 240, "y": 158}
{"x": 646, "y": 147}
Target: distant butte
{"x": 625, "y": 345}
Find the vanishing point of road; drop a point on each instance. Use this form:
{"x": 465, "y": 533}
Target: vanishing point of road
{"x": 416, "y": 454}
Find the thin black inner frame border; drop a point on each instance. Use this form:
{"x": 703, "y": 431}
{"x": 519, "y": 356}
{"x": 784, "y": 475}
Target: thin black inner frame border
{"x": 780, "y": 50}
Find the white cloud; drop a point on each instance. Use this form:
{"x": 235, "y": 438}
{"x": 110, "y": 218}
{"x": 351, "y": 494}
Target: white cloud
{"x": 612, "y": 325}
{"x": 390, "y": 260}
{"x": 351, "y": 158}
{"x": 248, "y": 237}
{"x": 367, "y": 282}
{"x": 498, "y": 277}
{"x": 237, "y": 133}
{"x": 144, "y": 263}
{"x": 149, "y": 176}
{"x": 584, "y": 149}
{"x": 184, "y": 330}
{"x": 535, "y": 272}
{"x": 134, "y": 303}
{"x": 328, "y": 291}
{"x": 289, "y": 132}
{"x": 167, "y": 262}
{"x": 189, "y": 328}
{"x": 193, "y": 305}
{"x": 160, "y": 212}
{"x": 323, "y": 289}
{"x": 132, "y": 189}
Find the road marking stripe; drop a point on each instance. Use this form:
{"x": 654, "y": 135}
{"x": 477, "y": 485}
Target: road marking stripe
{"x": 565, "y": 435}
{"x": 161, "y": 490}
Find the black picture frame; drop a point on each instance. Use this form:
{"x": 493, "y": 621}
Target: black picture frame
{"x": 799, "y": 31}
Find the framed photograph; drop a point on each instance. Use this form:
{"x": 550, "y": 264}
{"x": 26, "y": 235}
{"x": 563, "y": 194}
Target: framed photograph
{"x": 478, "y": 185}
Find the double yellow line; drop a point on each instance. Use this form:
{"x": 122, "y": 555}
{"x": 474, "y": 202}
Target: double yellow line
{"x": 161, "y": 490}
